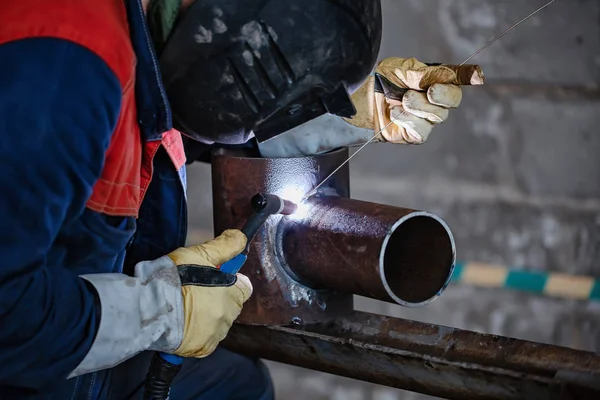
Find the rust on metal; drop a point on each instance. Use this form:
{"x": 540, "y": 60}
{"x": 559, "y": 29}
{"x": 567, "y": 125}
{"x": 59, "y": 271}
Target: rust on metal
{"x": 304, "y": 268}
{"x": 425, "y": 358}
{"x": 301, "y": 263}
{"x": 237, "y": 177}
{"x": 374, "y": 250}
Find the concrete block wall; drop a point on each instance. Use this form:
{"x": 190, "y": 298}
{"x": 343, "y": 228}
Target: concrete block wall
{"x": 515, "y": 171}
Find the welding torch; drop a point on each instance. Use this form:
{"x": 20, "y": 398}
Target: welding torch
{"x": 263, "y": 205}
{"x": 164, "y": 367}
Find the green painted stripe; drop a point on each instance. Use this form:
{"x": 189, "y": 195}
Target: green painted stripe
{"x": 595, "y": 292}
{"x": 457, "y": 274}
{"x": 530, "y": 281}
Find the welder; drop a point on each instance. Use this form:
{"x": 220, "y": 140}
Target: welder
{"x": 94, "y": 99}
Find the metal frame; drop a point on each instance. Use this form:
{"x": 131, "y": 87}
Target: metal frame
{"x": 302, "y": 314}
{"x": 435, "y": 360}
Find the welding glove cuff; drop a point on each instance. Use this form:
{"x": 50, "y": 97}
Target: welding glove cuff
{"x": 179, "y": 304}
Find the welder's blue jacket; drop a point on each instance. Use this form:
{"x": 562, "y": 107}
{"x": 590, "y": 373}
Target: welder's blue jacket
{"x": 90, "y": 168}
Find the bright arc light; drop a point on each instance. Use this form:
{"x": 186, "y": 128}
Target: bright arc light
{"x": 301, "y": 211}
{"x": 294, "y": 194}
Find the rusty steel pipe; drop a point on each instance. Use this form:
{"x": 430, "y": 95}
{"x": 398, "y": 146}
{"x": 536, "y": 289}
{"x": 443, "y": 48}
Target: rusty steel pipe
{"x": 306, "y": 266}
{"x": 374, "y": 250}
{"x": 431, "y": 359}
{"x": 237, "y": 177}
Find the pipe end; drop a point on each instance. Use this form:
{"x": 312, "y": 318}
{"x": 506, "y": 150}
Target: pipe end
{"x": 417, "y": 259}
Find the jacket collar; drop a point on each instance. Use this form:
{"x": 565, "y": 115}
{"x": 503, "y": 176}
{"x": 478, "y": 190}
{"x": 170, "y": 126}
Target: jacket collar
{"x": 154, "y": 112}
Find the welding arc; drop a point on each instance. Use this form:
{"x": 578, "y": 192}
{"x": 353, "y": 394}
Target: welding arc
{"x": 488, "y": 44}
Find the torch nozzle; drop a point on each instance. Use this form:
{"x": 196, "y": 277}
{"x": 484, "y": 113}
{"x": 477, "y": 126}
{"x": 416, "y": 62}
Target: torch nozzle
{"x": 269, "y": 204}
{"x": 288, "y": 207}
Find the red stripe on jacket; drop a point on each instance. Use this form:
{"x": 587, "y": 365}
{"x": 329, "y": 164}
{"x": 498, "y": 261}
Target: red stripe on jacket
{"x": 100, "y": 26}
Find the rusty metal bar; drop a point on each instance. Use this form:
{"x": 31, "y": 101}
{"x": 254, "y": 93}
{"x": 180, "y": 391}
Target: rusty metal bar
{"x": 374, "y": 250}
{"x": 430, "y": 359}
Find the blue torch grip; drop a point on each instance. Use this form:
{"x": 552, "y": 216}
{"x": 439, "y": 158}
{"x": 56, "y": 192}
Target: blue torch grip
{"x": 172, "y": 358}
{"x": 233, "y": 266}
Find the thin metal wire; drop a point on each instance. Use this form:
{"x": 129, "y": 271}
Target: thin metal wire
{"x": 307, "y": 195}
{"x": 488, "y": 44}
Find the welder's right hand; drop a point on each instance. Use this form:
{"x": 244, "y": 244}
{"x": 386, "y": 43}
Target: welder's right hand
{"x": 178, "y": 303}
{"x": 212, "y": 300}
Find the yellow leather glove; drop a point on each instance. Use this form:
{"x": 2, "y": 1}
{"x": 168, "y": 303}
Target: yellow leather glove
{"x": 178, "y": 303}
{"x": 212, "y": 300}
{"x": 414, "y": 95}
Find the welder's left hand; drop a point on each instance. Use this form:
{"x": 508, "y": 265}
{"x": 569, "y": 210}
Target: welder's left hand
{"x": 410, "y": 98}
{"x": 414, "y": 95}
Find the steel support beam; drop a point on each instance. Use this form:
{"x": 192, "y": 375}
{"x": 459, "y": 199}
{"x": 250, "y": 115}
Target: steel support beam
{"x": 435, "y": 360}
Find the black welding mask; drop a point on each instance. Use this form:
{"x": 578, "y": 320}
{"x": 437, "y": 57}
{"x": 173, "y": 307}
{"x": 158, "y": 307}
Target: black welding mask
{"x": 233, "y": 68}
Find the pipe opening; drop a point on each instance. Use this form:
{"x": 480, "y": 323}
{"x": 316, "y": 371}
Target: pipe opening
{"x": 417, "y": 259}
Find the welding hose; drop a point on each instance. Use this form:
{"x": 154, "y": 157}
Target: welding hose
{"x": 163, "y": 369}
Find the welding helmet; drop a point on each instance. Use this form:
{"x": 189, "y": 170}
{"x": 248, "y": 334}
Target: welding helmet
{"x": 237, "y": 68}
